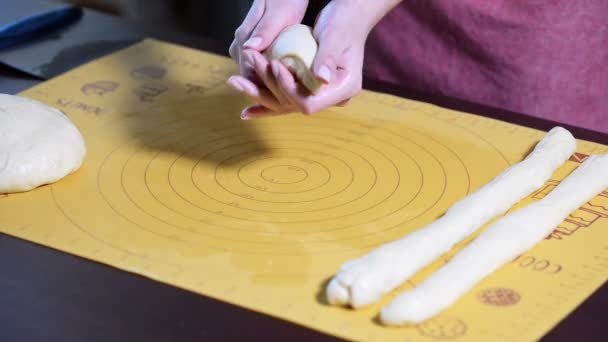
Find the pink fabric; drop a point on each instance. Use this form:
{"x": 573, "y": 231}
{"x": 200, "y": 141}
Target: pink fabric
{"x": 547, "y": 58}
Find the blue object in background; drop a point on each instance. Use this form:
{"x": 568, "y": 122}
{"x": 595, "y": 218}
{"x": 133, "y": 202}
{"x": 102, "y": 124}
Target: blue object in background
{"x": 21, "y": 21}
{"x": 47, "y": 38}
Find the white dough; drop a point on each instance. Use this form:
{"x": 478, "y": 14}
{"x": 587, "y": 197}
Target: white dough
{"x": 297, "y": 48}
{"x": 365, "y": 280}
{"x": 38, "y": 144}
{"x": 507, "y": 238}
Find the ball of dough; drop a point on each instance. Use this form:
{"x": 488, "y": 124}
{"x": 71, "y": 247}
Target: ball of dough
{"x": 296, "y": 48}
{"x": 38, "y": 144}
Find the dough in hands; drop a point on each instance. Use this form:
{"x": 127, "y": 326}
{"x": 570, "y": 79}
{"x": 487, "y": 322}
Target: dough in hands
{"x": 296, "y": 48}
{"x": 38, "y": 144}
{"x": 365, "y": 280}
{"x": 504, "y": 240}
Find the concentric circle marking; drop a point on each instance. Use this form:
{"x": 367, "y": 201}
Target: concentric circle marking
{"x": 319, "y": 175}
{"x": 284, "y": 174}
{"x": 329, "y": 185}
{"x": 249, "y": 174}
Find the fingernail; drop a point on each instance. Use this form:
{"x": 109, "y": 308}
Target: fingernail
{"x": 235, "y": 84}
{"x": 245, "y": 114}
{"x": 324, "y": 74}
{"x": 253, "y": 42}
{"x": 249, "y": 58}
{"x": 275, "y": 69}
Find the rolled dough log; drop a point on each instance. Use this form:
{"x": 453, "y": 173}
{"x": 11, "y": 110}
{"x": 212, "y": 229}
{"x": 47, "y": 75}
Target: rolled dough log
{"x": 38, "y": 144}
{"x": 507, "y": 238}
{"x": 365, "y": 280}
{"x": 296, "y": 48}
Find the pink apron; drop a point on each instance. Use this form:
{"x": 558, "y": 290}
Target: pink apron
{"x": 546, "y": 58}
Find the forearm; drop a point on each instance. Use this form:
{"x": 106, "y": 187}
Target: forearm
{"x": 352, "y": 18}
{"x": 372, "y": 11}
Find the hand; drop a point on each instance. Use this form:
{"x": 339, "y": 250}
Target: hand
{"x": 265, "y": 20}
{"x": 339, "y": 63}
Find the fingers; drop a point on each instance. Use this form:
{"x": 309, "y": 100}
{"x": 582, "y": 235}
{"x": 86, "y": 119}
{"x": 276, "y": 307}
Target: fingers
{"x": 255, "y": 93}
{"x": 290, "y": 88}
{"x": 258, "y": 112}
{"x": 337, "y": 94}
{"x": 267, "y": 105}
{"x": 286, "y": 82}
{"x": 262, "y": 68}
{"x": 247, "y": 68}
{"x": 285, "y": 95}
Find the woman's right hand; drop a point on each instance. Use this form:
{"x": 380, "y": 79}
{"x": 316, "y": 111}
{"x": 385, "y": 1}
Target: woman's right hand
{"x": 265, "y": 20}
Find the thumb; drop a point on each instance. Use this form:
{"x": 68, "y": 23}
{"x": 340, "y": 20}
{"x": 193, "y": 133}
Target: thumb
{"x": 333, "y": 38}
{"x": 326, "y": 61}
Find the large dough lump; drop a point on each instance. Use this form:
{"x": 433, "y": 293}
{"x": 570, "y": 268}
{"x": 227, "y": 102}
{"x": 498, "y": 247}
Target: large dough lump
{"x": 38, "y": 144}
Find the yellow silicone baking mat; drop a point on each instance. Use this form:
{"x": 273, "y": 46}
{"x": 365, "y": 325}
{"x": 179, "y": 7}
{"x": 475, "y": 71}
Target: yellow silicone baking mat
{"x": 262, "y": 213}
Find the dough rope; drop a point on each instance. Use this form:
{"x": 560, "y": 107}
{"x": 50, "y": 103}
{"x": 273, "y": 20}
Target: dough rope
{"x": 507, "y": 238}
{"x": 365, "y": 280}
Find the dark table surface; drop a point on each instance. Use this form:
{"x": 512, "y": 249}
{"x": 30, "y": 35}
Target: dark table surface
{"x": 46, "y": 295}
